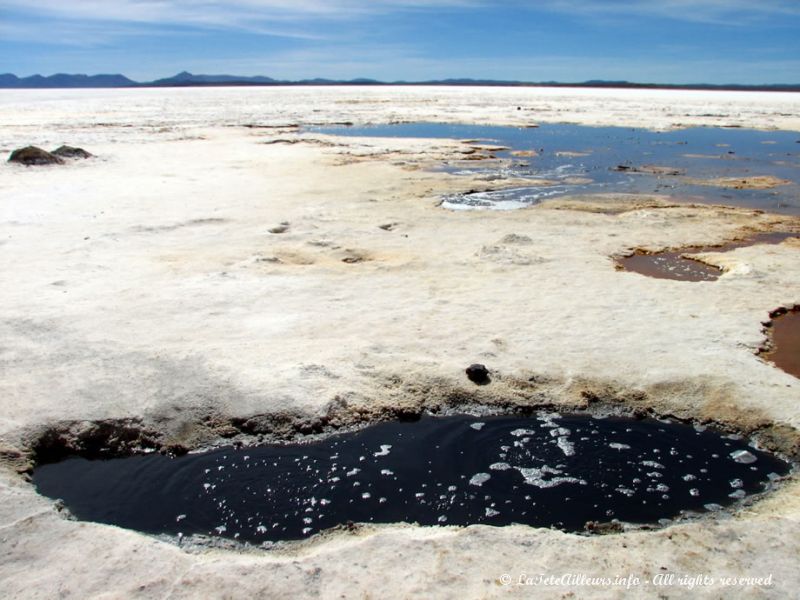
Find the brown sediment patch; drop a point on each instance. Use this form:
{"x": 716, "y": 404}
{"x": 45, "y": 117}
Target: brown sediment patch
{"x": 304, "y": 140}
{"x": 292, "y": 257}
{"x": 479, "y": 156}
{"x": 674, "y": 264}
{"x": 649, "y": 170}
{"x": 758, "y": 182}
{"x": 489, "y": 148}
{"x": 578, "y": 180}
{"x": 609, "y": 204}
{"x": 353, "y": 256}
{"x": 668, "y": 265}
{"x": 524, "y": 153}
{"x": 267, "y": 126}
{"x": 396, "y": 397}
{"x": 322, "y": 253}
{"x": 726, "y": 156}
{"x": 783, "y": 343}
{"x": 659, "y": 170}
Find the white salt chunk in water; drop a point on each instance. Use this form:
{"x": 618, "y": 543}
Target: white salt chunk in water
{"x": 479, "y": 479}
{"x": 743, "y": 457}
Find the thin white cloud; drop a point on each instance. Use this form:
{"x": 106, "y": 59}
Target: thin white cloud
{"x": 220, "y": 12}
{"x": 98, "y": 19}
{"x": 720, "y": 12}
{"x": 298, "y": 18}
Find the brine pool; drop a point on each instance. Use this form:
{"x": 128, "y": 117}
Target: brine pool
{"x": 673, "y": 264}
{"x": 785, "y": 341}
{"x": 578, "y": 159}
{"x": 548, "y": 470}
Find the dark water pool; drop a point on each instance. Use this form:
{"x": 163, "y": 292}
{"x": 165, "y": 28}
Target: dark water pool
{"x": 616, "y": 159}
{"x": 548, "y": 470}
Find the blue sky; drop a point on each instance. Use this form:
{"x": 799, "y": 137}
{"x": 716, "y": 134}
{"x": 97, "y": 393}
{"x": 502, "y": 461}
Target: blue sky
{"x": 663, "y": 41}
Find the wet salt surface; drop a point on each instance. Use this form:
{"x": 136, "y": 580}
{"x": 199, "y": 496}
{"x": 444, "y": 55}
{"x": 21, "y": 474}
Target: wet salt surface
{"x": 548, "y": 470}
{"x": 671, "y": 264}
{"x": 566, "y": 152}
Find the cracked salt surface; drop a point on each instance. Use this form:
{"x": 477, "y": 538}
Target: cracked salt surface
{"x": 548, "y": 470}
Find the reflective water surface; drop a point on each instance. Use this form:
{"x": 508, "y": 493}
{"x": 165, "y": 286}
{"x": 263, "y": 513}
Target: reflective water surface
{"x": 615, "y": 159}
{"x": 547, "y": 470}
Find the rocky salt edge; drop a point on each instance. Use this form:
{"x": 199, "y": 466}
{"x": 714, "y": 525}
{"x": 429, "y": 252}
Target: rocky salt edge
{"x": 150, "y": 288}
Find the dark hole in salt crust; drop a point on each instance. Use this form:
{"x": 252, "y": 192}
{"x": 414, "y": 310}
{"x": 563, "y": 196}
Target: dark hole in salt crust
{"x": 547, "y": 470}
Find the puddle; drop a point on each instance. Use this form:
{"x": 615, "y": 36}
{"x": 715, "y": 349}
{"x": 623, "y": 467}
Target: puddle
{"x": 784, "y": 351}
{"x": 575, "y": 159}
{"x": 671, "y": 264}
{"x": 548, "y": 471}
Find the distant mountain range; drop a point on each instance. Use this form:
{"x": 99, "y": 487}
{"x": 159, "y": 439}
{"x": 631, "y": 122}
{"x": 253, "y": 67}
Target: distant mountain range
{"x": 184, "y": 79}
{"x": 62, "y": 80}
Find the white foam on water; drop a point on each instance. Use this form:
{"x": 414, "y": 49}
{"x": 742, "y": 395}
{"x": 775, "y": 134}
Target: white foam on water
{"x": 384, "y": 451}
{"x": 567, "y": 447}
{"x": 559, "y": 431}
{"x": 521, "y": 432}
{"x": 479, "y": 479}
{"x": 653, "y": 464}
{"x": 618, "y": 446}
{"x": 536, "y": 477}
{"x": 499, "y": 466}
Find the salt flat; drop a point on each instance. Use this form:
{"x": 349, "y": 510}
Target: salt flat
{"x": 144, "y": 288}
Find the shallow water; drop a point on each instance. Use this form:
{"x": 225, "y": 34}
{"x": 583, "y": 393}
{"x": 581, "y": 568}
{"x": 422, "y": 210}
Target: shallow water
{"x": 609, "y": 156}
{"x": 548, "y": 470}
{"x": 785, "y": 334}
{"x": 671, "y": 264}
